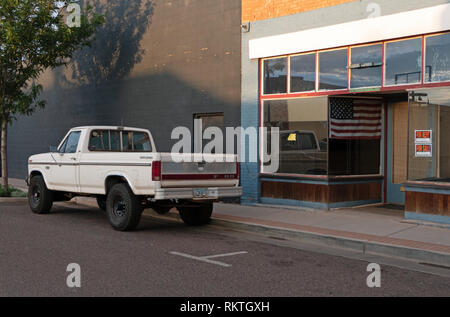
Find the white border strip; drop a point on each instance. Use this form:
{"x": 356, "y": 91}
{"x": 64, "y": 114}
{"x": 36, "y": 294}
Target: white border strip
{"x": 429, "y": 20}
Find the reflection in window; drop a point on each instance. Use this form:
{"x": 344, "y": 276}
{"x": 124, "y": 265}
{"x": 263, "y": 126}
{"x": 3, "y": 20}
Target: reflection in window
{"x": 429, "y": 160}
{"x": 437, "y": 65}
{"x": 275, "y": 76}
{"x": 404, "y": 62}
{"x": 368, "y": 62}
{"x": 303, "y": 125}
{"x": 303, "y": 72}
{"x": 333, "y": 70}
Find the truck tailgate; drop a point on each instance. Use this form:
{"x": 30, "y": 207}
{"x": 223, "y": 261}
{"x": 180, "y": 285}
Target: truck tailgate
{"x": 215, "y": 170}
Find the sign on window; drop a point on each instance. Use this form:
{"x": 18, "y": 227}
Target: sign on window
{"x": 423, "y": 143}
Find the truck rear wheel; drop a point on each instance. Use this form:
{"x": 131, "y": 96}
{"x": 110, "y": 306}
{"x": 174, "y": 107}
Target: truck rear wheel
{"x": 196, "y": 216}
{"x": 123, "y": 208}
{"x": 40, "y": 199}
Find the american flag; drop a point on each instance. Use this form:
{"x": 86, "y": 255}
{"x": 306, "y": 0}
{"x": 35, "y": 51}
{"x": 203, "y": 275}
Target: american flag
{"x": 355, "y": 119}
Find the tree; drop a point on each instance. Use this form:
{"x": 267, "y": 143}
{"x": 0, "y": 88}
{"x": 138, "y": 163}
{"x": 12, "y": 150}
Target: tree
{"x": 36, "y": 35}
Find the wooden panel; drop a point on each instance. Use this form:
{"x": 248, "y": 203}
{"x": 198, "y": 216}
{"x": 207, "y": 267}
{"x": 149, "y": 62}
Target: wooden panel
{"x": 427, "y": 203}
{"x": 355, "y": 192}
{"x": 295, "y": 191}
{"x": 400, "y": 142}
{"x": 321, "y": 193}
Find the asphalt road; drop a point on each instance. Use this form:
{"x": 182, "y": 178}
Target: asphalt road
{"x": 159, "y": 259}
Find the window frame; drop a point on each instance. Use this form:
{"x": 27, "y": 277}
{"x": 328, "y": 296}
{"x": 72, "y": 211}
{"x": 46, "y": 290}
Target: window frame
{"x": 422, "y": 75}
{"x": 262, "y": 144}
{"x": 315, "y": 72}
{"x": 382, "y": 88}
{"x": 287, "y": 74}
{"x": 424, "y": 58}
{"x": 318, "y": 70}
{"x": 121, "y": 141}
{"x": 383, "y": 63}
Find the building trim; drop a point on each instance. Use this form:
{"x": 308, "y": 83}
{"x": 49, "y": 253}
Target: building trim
{"x": 432, "y": 20}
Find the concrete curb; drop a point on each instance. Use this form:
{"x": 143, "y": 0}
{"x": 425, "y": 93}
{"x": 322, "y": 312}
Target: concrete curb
{"x": 362, "y": 246}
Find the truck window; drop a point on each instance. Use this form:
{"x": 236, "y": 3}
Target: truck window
{"x": 109, "y": 140}
{"x": 115, "y": 141}
{"x": 127, "y": 137}
{"x": 141, "y": 142}
{"x": 71, "y": 143}
{"x": 99, "y": 141}
{"x": 307, "y": 141}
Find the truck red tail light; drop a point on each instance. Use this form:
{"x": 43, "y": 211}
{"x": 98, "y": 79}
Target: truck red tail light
{"x": 156, "y": 171}
{"x": 237, "y": 170}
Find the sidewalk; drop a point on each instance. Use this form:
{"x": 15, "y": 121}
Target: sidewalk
{"x": 372, "y": 229}
{"x": 18, "y": 183}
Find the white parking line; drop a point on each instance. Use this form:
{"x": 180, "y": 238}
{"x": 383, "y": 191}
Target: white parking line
{"x": 207, "y": 258}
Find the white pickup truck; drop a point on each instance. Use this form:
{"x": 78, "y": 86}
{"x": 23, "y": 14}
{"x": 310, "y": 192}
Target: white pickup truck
{"x": 121, "y": 168}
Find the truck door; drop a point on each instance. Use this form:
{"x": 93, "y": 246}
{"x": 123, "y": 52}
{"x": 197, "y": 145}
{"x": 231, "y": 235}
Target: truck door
{"x": 65, "y": 173}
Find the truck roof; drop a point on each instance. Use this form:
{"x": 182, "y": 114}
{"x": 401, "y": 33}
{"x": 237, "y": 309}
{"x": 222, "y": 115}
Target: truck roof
{"x": 107, "y": 127}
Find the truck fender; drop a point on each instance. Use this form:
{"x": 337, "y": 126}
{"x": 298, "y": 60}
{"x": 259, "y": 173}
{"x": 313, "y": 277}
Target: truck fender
{"x": 35, "y": 171}
{"x": 122, "y": 175}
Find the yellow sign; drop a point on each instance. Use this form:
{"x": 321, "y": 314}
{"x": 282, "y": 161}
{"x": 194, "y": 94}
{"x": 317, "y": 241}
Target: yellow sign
{"x": 292, "y": 137}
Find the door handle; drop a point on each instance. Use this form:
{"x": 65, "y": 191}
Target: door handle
{"x": 73, "y": 158}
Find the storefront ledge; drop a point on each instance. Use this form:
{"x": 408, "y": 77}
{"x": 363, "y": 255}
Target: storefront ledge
{"x": 427, "y": 217}
{"x": 321, "y": 180}
{"x": 427, "y": 188}
{"x": 316, "y": 205}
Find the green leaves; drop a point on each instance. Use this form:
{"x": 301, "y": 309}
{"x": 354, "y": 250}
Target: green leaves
{"x": 34, "y": 36}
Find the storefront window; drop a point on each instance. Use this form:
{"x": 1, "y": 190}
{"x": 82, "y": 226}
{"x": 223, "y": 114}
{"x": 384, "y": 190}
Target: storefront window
{"x": 437, "y": 52}
{"x": 366, "y": 64}
{"x": 333, "y": 69}
{"x": 303, "y": 125}
{"x": 404, "y": 62}
{"x": 275, "y": 76}
{"x": 355, "y": 136}
{"x": 429, "y": 147}
{"x": 303, "y": 72}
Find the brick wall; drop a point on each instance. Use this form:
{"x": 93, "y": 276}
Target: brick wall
{"x": 255, "y": 10}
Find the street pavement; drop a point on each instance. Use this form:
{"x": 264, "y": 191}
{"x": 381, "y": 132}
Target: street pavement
{"x": 166, "y": 258}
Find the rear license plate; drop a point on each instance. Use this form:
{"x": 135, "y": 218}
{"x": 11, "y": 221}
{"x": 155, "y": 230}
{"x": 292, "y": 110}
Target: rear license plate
{"x": 205, "y": 193}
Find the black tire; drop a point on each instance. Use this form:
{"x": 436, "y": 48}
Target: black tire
{"x": 101, "y": 202}
{"x": 196, "y": 216}
{"x": 123, "y": 208}
{"x": 40, "y": 199}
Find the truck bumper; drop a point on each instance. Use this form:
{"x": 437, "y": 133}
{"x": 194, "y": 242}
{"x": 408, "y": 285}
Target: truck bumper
{"x": 211, "y": 193}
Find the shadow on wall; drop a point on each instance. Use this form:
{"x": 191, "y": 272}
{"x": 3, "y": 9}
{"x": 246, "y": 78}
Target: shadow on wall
{"x": 148, "y": 103}
{"x": 117, "y": 45}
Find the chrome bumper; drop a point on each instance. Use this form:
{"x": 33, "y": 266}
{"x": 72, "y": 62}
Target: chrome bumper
{"x": 211, "y": 193}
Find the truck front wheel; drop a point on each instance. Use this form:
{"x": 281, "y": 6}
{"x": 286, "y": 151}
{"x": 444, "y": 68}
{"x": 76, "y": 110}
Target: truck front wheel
{"x": 196, "y": 216}
{"x": 40, "y": 198}
{"x": 123, "y": 208}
